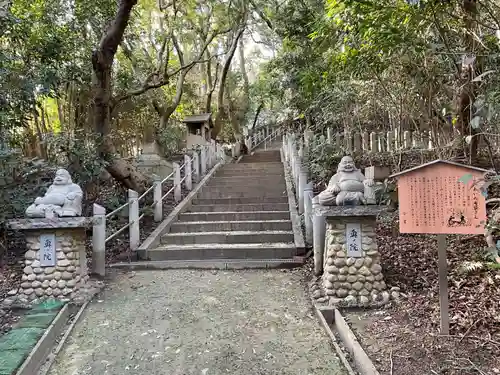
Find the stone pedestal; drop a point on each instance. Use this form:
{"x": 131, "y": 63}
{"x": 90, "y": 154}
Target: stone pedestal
{"x": 352, "y": 274}
{"x": 150, "y": 162}
{"x": 55, "y": 259}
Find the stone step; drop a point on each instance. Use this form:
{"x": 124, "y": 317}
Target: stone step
{"x": 223, "y": 251}
{"x": 230, "y": 180}
{"x": 226, "y": 237}
{"x": 243, "y": 188}
{"x": 218, "y": 226}
{"x": 234, "y": 216}
{"x": 253, "y": 166}
{"x": 211, "y": 264}
{"x": 257, "y": 160}
{"x": 239, "y": 207}
{"x": 249, "y": 173}
{"x": 263, "y": 193}
{"x": 247, "y": 200}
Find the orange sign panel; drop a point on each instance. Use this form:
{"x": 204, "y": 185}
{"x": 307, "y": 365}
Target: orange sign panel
{"x": 441, "y": 198}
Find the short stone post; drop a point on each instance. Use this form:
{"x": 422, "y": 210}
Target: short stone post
{"x": 329, "y": 135}
{"x": 157, "y": 195}
{"x": 203, "y": 158}
{"x": 302, "y": 185}
{"x": 308, "y": 196}
{"x": 365, "y": 140}
{"x": 188, "y": 182}
{"x": 99, "y": 241}
{"x": 348, "y": 139}
{"x": 390, "y": 141}
{"x": 407, "y": 139}
{"x": 319, "y": 230}
{"x": 357, "y": 142}
{"x": 177, "y": 182}
{"x": 373, "y": 142}
{"x": 133, "y": 219}
{"x": 196, "y": 167}
{"x": 297, "y": 165}
{"x": 214, "y": 155}
{"x": 338, "y": 141}
{"x": 381, "y": 142}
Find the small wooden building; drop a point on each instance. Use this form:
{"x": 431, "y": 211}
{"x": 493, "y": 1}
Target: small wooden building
{"x": 199, "y": 129}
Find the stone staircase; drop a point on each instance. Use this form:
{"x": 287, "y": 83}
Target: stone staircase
{"x": 242, "y": 214}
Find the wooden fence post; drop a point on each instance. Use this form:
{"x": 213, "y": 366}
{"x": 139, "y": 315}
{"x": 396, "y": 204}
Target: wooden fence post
{"x": 196, "y": 167}
{"x": 99, "y": 241}
{"x": 177, "y": 182}
{"x": 157, "y": 194}
{"x": 133, "y": 219}
{"x": 188, "y": 182}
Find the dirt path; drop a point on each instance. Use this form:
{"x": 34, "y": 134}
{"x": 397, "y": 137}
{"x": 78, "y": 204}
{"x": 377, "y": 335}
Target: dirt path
{"x": 187, "y": 322}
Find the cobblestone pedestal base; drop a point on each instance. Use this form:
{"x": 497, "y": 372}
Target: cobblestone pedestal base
{"x": 68, "y": 272}
{"x": 350, "y": 279}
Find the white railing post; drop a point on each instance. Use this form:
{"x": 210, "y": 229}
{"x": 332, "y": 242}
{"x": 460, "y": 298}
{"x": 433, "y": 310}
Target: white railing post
{"x": 157, "y": 194}
{"x": 203, "y": 159}
{"x": 214, "y": 154}
{"x": 301, "y": 187}
{"x": 99, "y": 241}
{"x": 177, "y": 182}
{"x": 196, "y": 165}
{"x": 308, "y": 196}
{"x": 188, "y": 182}
{"x": 133, "y": 219}
{"x": 319, "y": 232}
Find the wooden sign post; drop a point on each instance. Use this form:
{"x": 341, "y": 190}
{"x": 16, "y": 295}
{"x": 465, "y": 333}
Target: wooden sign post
{"x": 441, "y": 197}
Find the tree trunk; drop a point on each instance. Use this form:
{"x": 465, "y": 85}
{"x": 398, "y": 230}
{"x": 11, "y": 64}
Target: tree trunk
{"x": 259, "y": 108}
{"x": 221, "y": 113}
{"x": 102, "y": 62}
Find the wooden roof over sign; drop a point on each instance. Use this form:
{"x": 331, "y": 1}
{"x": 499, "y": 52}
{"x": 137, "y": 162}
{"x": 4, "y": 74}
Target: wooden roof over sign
{"x": 438, "y": 161}
{"x": 199, "y": 118}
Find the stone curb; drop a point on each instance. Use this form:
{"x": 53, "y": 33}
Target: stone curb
{"x": 63, "y": 340}
{"x": 154, "y": 238}
{"x": 294, "y": 215}
{"x": 41, "y": 350}
{"x": 226, "y": 264}
{"x": 332, "y": 316}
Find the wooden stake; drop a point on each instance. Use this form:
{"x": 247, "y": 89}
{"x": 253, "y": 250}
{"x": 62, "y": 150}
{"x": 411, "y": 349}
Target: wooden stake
{"x": 443, "y": 285}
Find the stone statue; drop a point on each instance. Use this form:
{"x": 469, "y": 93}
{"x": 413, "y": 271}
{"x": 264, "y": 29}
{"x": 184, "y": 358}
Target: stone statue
{"x": 348, "y": 186}
{"x": 62, "y": 199}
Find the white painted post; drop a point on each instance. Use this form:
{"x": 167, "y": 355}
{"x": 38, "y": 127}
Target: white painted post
{"x": 157, "y": 194}
{"x": 133, "y": 219}
{"x": 319, "y": 232}
{"x": 177, "y": 182}
{"x": 99, "y": 241}
{"x": 203, "y": 159}
{"x": 308, "y": 196}
{"x": 188, "y": 182}
{"x": 329, "y": 136}
{"x": 196, "y": 167}
{"x": 301, "y": 187}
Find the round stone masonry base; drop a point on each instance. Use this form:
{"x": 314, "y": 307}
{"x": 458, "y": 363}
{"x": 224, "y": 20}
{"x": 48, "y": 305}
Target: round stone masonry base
{"x": 60, "y": 277}
{"x": 352, "y": 278}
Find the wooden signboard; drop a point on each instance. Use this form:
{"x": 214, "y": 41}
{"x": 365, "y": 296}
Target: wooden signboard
{"x": 442, "y": 197}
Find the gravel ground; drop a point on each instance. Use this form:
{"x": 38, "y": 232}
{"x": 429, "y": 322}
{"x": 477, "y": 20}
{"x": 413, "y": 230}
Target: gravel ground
{"x": 200, "y": 322}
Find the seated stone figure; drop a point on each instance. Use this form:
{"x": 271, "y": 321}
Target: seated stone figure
{"x": 348, "y": 186}
{"x": 63, "y": 199}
